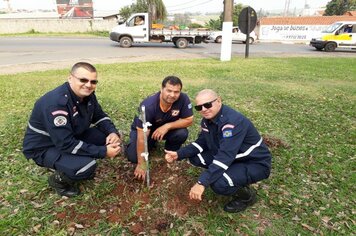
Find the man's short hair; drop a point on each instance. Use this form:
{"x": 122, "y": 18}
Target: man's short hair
{"x": 173, "y": 80}
{"x": 89, "y": 67}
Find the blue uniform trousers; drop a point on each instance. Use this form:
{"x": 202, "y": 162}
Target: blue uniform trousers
{"x": 173, "y": 141}
{"x": 239, "y": 174}
{"x": 74, "y": 167}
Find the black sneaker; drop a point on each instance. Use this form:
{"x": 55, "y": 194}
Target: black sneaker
{"x": 62, "y": 187}
{"x": 244, "y": 198}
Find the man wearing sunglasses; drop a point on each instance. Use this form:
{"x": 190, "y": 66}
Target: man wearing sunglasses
{"x": 170, "y": 113}
{"x": 68, "y": 131}
{"x": 230, "y": 149}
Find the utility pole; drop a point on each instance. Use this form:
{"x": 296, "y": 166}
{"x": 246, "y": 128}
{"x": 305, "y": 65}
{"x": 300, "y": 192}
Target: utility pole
{"x": 227, "y": 31}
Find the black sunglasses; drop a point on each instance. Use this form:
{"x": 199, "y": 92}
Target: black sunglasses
{"x": 85, "y": 80}
{"x": 207, "y": 105}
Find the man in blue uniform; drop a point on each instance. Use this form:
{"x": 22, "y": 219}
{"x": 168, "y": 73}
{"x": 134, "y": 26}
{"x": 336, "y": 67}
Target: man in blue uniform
{"x": 170, "y": 113}
{"x": 68, "y": 130}
{"x": 231, "y": 150}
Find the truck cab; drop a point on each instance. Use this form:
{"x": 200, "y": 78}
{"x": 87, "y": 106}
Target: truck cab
{"x": 138, "y": 29}
{"x": 135, "y": 29}
{"x": 340, "y": 34}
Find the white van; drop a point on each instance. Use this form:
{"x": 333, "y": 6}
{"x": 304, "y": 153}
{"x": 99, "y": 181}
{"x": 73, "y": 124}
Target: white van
{"x": 237, "y": 35}
{"x": 338, "y": 35}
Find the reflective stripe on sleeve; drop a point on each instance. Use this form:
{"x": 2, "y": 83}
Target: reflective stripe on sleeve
{"x": 105, "y": 118}
{"x": 75, "y": 150}
{"x": 228, "y": 179}
{"x": 37, "y": 130}
{"x": 201, "y": 159}
{"x": 219, "y": 163}
{"x": 86, "y": 167}
{"x": 198, "y": 146}
{"x": 249, "y": 150}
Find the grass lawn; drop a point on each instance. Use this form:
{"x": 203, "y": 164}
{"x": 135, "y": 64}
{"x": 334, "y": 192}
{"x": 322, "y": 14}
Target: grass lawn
{"x": 308, "y": 104}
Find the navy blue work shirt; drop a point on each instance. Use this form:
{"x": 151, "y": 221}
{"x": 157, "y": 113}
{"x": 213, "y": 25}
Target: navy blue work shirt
{"x": 59, "y": 117}
{"x": 230, "y": 137}
{"x": 180, "y": 109}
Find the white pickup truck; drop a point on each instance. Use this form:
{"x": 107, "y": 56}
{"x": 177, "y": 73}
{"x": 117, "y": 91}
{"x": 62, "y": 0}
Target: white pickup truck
{"x": 136, "y": 30}
{"x": 237, "y": 36}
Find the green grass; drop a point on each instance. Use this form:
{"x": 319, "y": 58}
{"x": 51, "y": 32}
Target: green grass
{"x": 308, "y": 103}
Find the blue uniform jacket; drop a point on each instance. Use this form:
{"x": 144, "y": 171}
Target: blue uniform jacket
{"x": 58, "y": 118}
{"x": 180, "y": 109}
{"x": 230, "y": 138}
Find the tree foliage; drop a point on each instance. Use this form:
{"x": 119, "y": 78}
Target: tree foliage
{"x": 158, "y": 9}
{"x": 339, "y": 7}
{"x": 217, "y": 24}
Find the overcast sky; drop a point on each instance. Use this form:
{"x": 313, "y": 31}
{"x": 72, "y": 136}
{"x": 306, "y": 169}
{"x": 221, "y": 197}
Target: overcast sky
{"x": 173, "y": 6}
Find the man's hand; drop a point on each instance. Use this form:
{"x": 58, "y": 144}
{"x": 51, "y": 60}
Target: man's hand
{"x": 196, "y": 192}
{"x": 113, "y": 150}
{"x": 113, "y": 138}
{"x": 140, "y": 171}
{"x": 171, "y": 156}
{"x": 159, "y": 133}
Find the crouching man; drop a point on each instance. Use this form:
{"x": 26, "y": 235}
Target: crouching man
{"x": 68, "y": 131}
{"x": 230, "y": 149}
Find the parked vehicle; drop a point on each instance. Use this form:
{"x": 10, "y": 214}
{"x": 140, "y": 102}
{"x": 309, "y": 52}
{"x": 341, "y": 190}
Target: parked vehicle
{"x": 136, "y": 30}
{"x": 237, "y": 36}
{"x": 338, "y": 35}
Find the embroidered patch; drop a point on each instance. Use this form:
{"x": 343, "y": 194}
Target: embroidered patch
{"x": 227, "y": 133}
{"x": 175, "y": 112}
{"x": 59, "y": 112}
{"x": 228, "y": 126}
{"x": 190, "y": 106}
{"x": 60, "y": 121}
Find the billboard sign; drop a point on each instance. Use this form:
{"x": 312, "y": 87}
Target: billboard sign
{"x": 75, "y": 8}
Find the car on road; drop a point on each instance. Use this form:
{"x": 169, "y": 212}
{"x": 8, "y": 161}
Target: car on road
{"x": 237, "y": 36}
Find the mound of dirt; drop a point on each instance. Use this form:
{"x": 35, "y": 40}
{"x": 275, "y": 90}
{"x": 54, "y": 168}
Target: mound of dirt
{"x": 131, "y": 204}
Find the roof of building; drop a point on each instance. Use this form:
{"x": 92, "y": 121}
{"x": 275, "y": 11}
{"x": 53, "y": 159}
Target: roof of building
{"x": 350, "y": 13}
{"x": 305, "y": 20}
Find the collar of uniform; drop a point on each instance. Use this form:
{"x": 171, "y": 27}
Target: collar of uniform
{"x": 75, "y": 98}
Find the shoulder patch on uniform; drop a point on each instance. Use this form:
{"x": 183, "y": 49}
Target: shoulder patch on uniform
{"x": 190, "y": 106}
{"x": 227, "y": 133}
{"x": 60, "y": 121}
{"x": 228, "y": 126}
{"x": 59, "y": 112}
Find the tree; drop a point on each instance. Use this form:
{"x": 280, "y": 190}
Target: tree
{"x": 158, "y": 9}
{"x": 235, "y": 13}
{"x": 214, "y": 24}
{"x": 125, "y": 12}
{"x": 339, "y": 7}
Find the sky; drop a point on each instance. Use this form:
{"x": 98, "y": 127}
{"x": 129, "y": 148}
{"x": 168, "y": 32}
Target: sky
{"x": 173, "y": 6}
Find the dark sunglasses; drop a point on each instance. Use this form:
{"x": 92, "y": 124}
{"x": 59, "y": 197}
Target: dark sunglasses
{"x": 207, "y": 105}
{"x": 85, "y": 80}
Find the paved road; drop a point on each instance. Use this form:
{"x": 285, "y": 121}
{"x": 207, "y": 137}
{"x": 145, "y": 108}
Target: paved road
{"x": 20, "y": 54}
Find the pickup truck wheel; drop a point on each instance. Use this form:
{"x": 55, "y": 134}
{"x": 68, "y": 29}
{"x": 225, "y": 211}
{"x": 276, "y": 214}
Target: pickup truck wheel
{"x": 125, "y": 42}
{"x": 251, "y": 40}
{"x": 181, "y": 43}
{"x": 218, "y": 39}
{"x": 330, "y": 47}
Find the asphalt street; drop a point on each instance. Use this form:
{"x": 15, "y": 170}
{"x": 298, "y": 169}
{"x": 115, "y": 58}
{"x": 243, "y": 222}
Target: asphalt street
{"x": 22, "y": 54}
